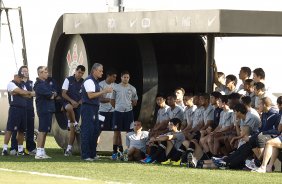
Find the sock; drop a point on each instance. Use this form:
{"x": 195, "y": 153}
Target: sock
{"x": 75, "y": 123}
{"x": 5, "y": 147}
{"x": 38, "y": 151}
{"x": 68, "y": 123}
{"x": 69, "y": 147}
{"x": 20, "y": 148}
{"x": 115, "y": 147}
{"x": 120, "y": 148}
{"x": 43, "y": 151}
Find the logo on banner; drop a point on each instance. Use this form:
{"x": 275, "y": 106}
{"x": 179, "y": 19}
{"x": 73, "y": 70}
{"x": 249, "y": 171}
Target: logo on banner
{"x": 73, "y": 59}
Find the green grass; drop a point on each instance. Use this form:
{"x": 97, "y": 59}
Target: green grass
{"x": 108, "y": 171}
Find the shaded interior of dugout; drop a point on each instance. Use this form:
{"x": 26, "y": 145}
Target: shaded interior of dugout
{"x": 156, "y": 62}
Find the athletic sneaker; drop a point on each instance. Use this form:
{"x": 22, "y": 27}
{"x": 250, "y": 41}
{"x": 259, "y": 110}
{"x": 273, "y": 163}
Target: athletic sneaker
{"x": 77, "y": 129}
{"x": 46, "y": 156}
{"x": 220, "y": 164}
{"x": 168, "y": 162}
{"x": 114, "y": 156}
{"x": 96, "y": 158}
{"x": 216, "y": 158}
{"x": 200, "y": 164}
{"x": 89, "y": 159}
{"x": 143, "y": 160}
{"x": 42, "y": 156}
{"x": 125, "y": 155}
{"x": 13, "y": 152}
{"x": 147, "y": 160}
{"x": 5, "y": 153}
{"x": 251, "y": 164}
{"x": 120, "y": 156}
{"x": 67, "y": 153}
{"x": 33, "y": 152}
{"x": 20, "y": 153}
{"x": 190, "y": 160}
{"x": 176, "y": 163}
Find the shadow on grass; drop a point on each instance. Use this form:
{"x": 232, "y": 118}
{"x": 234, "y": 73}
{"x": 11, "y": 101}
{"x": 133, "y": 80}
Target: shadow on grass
{"x": 57, "y": 156}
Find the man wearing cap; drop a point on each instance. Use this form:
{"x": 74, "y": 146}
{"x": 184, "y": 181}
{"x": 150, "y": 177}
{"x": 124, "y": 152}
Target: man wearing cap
{"x": 17, "y": 94}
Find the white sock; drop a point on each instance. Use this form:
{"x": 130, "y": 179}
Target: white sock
{"x": 75, "y": 123}
{"x": 43, "y": 151}
{"x": 69, "y": 147}
{"x": 40, "y": 151}
{"x": 20, "y": 148}
{"x": 68, "y": 123}
{"x": 5, "y": 147}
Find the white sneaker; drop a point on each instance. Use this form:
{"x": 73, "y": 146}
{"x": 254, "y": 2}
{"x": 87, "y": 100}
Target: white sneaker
{"x": 13, "y": 152}
{"x": 45, "y": 156}
{"x": 38, "y": 156}
{"x": 42, "y": 156}
{"x": 33, "y": 152}
{"x": 96, "y": 158}
{"x": 251, "y": 164}
{"x": 89, "y": 159}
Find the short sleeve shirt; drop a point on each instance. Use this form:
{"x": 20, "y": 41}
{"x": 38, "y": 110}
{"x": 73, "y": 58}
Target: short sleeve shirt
{"x": 89, "y": 86}
{"x": 123, "y": 96}
{"x": 179, "y": 138}
{"x": 163, "y": 114}
{"x": 226, "y": 118}
{"x": 11, "y": 87}
{"x": 177, "y": 112}
{"x": 189, "y": 113}
{"x": 208, "y": 114}
{"x": 198, "y": 116}
{"x": 106, "y": 107}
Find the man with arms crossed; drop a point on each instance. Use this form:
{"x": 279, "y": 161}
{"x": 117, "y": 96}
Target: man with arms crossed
{"x": 17, "y": 113}
{"x": 45, "y": 106}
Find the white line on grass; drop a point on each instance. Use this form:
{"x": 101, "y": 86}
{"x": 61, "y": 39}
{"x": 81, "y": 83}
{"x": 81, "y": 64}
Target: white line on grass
{"x": 46, "y": 174}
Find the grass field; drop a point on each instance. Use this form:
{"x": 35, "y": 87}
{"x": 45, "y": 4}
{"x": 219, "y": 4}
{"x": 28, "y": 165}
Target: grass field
{"x": 71, "y": 170}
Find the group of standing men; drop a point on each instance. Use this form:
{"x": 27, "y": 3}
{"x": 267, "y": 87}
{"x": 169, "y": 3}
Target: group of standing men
{"x": 102, "y": 106}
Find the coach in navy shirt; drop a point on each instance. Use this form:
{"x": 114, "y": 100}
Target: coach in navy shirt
{"x": 89, "y": 112}
{"x": 45, "y": 107}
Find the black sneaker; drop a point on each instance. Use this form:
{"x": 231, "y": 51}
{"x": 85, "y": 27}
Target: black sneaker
{"x": 77, "y": 128}
{"x": 67, "y": 153}
{"x": 200, "y": 164}
{"x": 5, "y": 153}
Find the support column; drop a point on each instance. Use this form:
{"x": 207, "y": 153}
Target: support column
{"x": 209, "y": 63}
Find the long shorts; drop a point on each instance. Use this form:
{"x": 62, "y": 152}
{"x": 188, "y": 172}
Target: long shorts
{"x": 122, "y": 120}
{"x": 107, "y": 124}
{"x": 45, "y": 122}
{"x": 75, "y": 110}
{"x": 17, "y": 119}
